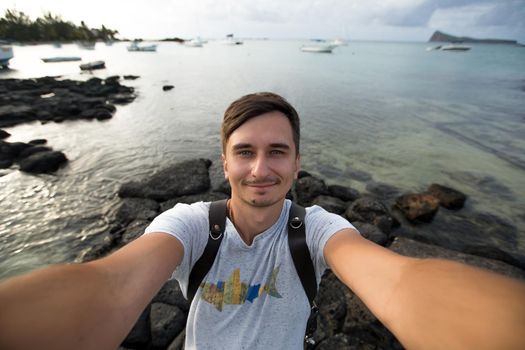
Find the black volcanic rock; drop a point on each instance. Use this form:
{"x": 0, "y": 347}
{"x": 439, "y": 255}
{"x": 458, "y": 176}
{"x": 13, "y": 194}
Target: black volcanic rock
{"x": 448, "y": 197}
{"x": 50, "y": 99}
{"x": 331, "y": 204}
{"x": 346, "y": 194}
{"x": 32, "y": 150}
{"x": 4, "y": 134}
{"x": 188, "y": 177}
{"x": 38, "y": 142}
{"x": 308, "y": 188}
{"x": 418, "y": 207}
{"x": 43, "y": 162}
{"x": 372, "y": 211}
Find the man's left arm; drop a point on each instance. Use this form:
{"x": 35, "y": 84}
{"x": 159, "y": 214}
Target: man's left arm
{"x": 430, "y": 303}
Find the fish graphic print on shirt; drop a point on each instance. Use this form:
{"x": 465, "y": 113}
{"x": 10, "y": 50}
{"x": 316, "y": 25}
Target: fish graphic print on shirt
{"x": 235, "y": 292}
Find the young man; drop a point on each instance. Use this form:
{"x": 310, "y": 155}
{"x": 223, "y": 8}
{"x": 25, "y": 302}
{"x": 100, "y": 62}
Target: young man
{"x": 252, "y": 297}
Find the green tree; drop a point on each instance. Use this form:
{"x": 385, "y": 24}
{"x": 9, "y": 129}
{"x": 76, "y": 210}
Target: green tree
{"x": 17, "y": 26}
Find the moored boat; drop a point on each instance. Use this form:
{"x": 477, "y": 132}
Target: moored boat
{"x": 93, "y": 65}
{"x": 318, "y": 48}
{"x": 197, "y": 42}
{"x": 135, "y": 47}
{"x": 455, "y": 47}
{"x": 231, "y": 41}
{"x": 61, "y": 59}
{"x": 6, "y": 53}
{"x": 339, "y": 42}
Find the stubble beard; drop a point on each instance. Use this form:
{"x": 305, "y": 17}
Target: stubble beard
{"x": 263, "y": 203}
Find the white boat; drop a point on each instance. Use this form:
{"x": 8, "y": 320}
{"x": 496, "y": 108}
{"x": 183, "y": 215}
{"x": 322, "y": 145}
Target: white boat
{"x": 339, "y": 42}
{"x": 197, "y": 42}
{"x": 93, "y": 65}
{"x": 318, "y": 48}
{"x": 455, "y": 47}
{"x": 6, "y": 53}
{"x": 137, "y": 48}
{"x": 61, "y": 59}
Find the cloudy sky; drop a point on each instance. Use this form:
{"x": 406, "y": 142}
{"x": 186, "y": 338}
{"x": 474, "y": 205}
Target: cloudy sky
{"x": 398, "y": 20}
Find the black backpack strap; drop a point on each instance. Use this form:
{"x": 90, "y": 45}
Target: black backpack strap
{"x": 300, "y": 253}
{"x": 217, "y": 218}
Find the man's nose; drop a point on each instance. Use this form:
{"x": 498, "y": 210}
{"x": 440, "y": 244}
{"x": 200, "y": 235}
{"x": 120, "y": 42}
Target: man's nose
{"x": 260, "y": 166}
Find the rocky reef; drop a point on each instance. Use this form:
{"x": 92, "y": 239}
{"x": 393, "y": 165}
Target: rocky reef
{"x": 50, "y": 99}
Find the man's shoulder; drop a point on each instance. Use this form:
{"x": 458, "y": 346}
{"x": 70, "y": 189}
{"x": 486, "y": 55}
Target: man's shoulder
{"x": 187, "y": 210}
{"x": 315, "y": 210}
{"x": 182, "y": 217}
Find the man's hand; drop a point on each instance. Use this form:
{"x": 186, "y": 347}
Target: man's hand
{"x": 86, "y": 306}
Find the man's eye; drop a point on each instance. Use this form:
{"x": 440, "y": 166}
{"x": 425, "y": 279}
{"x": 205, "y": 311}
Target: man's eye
{"x": 276, "y": 152}
{"x": 245, "y": 153}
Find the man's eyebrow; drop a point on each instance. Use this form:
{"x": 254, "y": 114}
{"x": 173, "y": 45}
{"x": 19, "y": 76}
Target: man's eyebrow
{"x": 245, "y": 145}
{"x": 280, "y": 145}
{"x": 239, "y": 146}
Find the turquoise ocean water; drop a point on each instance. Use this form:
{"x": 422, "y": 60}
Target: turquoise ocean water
{"x": 406, "y": 116}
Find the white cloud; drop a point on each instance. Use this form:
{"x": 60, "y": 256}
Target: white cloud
{"x": 458, "y": 17}
{"x": 373, "y": 19}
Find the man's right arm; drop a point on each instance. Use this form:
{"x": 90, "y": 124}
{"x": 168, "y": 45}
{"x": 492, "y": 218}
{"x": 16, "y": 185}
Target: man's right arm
{"x": 431, "y": 303}
{"x": 86, "y": 306}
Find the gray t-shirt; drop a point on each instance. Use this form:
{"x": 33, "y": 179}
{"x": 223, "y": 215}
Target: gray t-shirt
{"x": 252, "y": 297}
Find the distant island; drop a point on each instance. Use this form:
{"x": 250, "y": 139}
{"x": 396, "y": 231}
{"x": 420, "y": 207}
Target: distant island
{"x": 443, "y": 37}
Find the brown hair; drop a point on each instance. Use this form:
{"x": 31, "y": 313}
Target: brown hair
{"x": 253, "y": 105}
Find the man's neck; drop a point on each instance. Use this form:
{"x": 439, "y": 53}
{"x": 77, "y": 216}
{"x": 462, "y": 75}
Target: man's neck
{"x": 250, "y": 220}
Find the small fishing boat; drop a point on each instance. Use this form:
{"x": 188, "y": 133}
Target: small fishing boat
{"x": 318, "y": 48}
{"x": 339, "y": 42}
{"x": 136, "y": 47}
{"x": 93, "y": 65}
{"x": 61, "y": 59}
{"x": 6, "y": 53}
{"x": 197, "y": 42}
{"x": 455, "y": 47}
{"x": 231, "y": 41}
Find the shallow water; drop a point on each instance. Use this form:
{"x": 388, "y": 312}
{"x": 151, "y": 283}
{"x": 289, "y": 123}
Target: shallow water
{"x": 401, "y": 114}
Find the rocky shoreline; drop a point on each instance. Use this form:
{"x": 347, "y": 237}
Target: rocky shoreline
{"x": 31, "y": 157}
{"x": 383, "y": 215}
{"x": 50, "y": 99}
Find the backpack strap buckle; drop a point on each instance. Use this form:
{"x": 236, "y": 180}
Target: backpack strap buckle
{"x": 216, "y": 231}
{"x": 296, "y": 223}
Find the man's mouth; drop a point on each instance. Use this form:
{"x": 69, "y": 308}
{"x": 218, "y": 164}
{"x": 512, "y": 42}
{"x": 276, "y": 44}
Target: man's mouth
{"x": 262, "y": 183}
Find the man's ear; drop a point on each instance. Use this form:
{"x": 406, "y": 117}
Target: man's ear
{"x": 224, "y": 166}
{"x": 297, "y": 166}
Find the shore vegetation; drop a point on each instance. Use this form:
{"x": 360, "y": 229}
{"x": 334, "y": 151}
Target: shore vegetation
{"x": 16, "y": 26}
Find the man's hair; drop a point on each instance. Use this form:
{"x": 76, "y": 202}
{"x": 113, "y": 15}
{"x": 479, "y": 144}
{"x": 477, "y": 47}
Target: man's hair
{"x": 253, "y": 105}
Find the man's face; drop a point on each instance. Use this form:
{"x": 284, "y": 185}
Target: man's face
{"x": 260, "y": 160}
